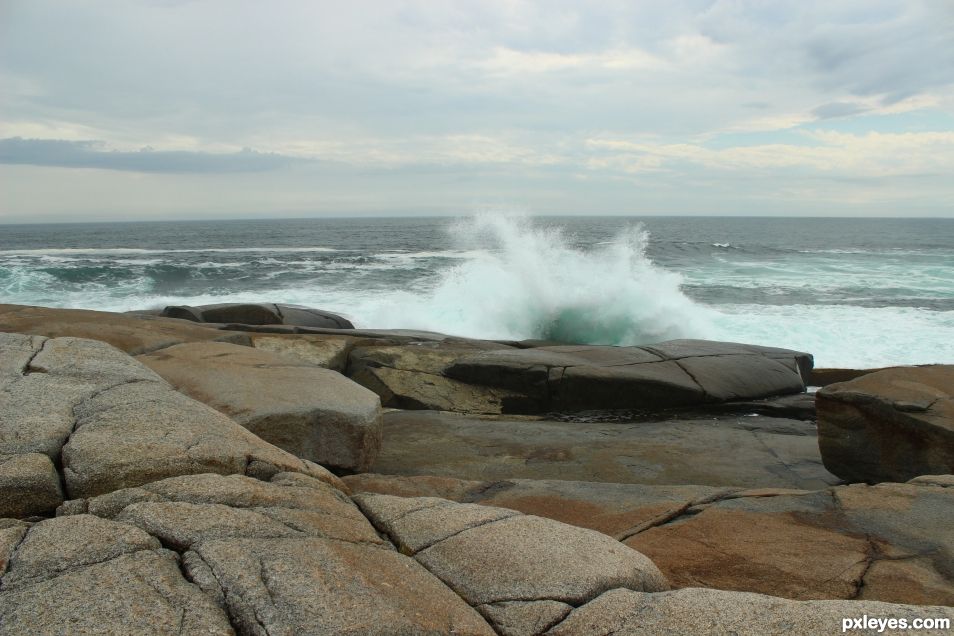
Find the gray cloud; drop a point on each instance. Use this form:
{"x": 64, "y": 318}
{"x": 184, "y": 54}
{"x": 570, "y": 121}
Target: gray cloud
{"x": 93, "y": 154}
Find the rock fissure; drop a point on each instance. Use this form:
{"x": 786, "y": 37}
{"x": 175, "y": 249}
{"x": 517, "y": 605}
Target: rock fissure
{"x": 27, "y": 366}
{"x": 705, "y": 395}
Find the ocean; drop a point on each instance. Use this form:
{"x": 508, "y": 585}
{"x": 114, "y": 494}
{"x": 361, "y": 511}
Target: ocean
{"x": 854, "y": 292}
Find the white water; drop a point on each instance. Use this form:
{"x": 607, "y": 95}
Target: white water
{"x": 506, "y": 278}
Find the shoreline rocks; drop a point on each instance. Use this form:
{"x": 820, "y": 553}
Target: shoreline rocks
{"x": 891, "y": 425}
{"x": 706, "y": 477}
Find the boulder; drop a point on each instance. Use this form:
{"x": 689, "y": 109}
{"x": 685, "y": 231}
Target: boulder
{"x": 87, "y": 575}
{"x": 132, "y": 334}
{"x": 891, "y": 425}
{"x": 701, "y": 612}
{"x": 490, "y": 555}
{"x": 314, "y": 413}
{"x": 744, "y": 452}
{"x": 258, "y": 314}
{"x": 107, "y": 422}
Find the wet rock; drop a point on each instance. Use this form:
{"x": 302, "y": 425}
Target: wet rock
{"x": 314, "y": 413}
{"x": 891, "y": 425}
{"x": 329, "y": 352}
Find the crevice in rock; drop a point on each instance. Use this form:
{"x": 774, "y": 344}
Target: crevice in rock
{"x": 27, "y": 366}
{"x": 13, "y": 553}
{"x": 871, "y": 555}
{"x": 705, "y": 395}
{"x": 487, "y": 491}
{"x": 461, "y": 531}
{"x": 659, "y": 520}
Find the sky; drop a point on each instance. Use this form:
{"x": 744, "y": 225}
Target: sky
{"x": 172, "y": 109}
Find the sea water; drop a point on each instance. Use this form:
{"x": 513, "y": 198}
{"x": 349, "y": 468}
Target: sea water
{"x": 854, "y": 292}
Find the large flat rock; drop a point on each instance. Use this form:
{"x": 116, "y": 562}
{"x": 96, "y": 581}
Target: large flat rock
{"x": 890, "y": 542}
{"x": 891, "y": 425}
{"x": 700, "y": 612}
{"x": 132, "y": 334}
{"x": 314, "y": 413}
{"x": 746, "y": 452}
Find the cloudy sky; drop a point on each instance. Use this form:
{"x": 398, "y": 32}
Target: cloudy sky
{"x": 221, "y": 109}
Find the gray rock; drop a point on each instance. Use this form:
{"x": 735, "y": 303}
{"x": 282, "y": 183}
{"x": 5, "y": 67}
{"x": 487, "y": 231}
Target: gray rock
{"x": 415, "y": 525}
{"x": 182, "y": 511}
{"x": 311, "y": 412}
{"x": 141, "y": 432}
{"x": 891, "y": 425}
{"x": 140, "y": 593}
{"x": 29, "y": 485}
{"x": 319, "y": 586}
{"x": 12, "y": 532}
{"x": 524, "y": 618}
{"x": 695, "y": 611}
{"x": 526, "y": 558}
{"x": 54, "y": 546}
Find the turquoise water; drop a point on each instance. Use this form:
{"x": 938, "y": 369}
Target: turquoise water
{"x": 855, "y": 292}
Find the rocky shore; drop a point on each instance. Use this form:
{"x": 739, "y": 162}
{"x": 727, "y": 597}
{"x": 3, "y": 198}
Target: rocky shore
{"x": 270, "y": 469}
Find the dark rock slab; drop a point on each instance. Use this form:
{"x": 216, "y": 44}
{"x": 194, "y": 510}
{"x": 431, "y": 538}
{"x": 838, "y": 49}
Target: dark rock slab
{"x": 891, "y": 425}
{"x": 258, "y": 314}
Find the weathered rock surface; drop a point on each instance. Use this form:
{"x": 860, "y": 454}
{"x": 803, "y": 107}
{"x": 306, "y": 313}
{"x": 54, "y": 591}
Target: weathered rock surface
{"x": 614, "y": 509}
{"x": 748, "y": 452}
{"x": 107, "y": 422}
{"x": 184, "y": 510}
{"x": 319, "y": 586}
{"x": 890, "y": 542}
{"x": 489, "y": 555}
{"x": 700, "y": 611}
{"x": 315, "y": 413}
{"x": 329, "y": 352}
{"x": 891, "y": 425}
{"x": 85, "y": 575}
{"x": 132, "y": 334}
{"x": 29, "y": 485}
{"x": 258, "y": 314}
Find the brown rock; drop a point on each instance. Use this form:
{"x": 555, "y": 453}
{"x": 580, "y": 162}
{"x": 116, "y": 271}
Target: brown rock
{"x": 310, "y": 585}
{"x": 891, "y": 425}
{"x": 132, "y": 334}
